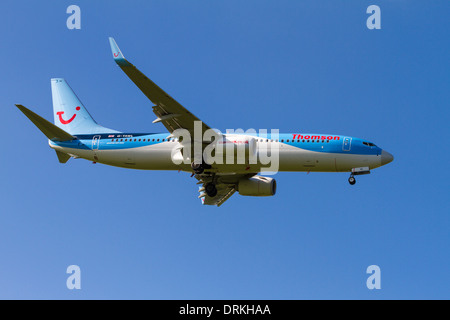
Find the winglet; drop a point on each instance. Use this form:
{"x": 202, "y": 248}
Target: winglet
{"x": 117, "y": 54}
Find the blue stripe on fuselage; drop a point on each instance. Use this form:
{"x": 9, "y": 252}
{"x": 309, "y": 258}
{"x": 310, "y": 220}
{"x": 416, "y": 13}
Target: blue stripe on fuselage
{"x": 135, "y": 140}
{"x": 114, "y": 141}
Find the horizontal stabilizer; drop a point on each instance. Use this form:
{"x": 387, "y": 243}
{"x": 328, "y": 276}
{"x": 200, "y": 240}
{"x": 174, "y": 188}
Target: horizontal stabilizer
{"x": 49, "y": 129}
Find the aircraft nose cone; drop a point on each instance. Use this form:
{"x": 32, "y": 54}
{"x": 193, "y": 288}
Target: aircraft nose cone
{"x": 386, "y": 157}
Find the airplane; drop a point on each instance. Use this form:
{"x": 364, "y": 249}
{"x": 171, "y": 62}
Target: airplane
{"x": 75, "y": 134}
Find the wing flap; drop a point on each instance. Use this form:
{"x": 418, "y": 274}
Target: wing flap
{"x": 223, "y": 194}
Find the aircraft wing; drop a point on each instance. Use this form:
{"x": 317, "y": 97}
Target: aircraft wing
{"x": 167, "y": 110}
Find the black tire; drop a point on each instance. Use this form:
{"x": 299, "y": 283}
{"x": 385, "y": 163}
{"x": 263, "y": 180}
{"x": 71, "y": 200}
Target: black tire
{"x": 199, "y": 171}
{"x": 352, "y": 180}
{"x": 211, "y": 190}
{"x": 197, "y": 167}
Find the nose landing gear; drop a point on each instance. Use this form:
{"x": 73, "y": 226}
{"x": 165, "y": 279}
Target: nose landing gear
{"x": 357, "y": 171}
{"x": 352, "y": 180}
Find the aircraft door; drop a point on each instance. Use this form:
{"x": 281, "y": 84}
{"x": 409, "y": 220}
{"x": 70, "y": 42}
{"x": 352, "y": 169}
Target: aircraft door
{"x": 95, "y": 142}
{"x": 346, "y": 144}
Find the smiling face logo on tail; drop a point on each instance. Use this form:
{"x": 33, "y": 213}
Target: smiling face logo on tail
{"x": 60, "y": 113}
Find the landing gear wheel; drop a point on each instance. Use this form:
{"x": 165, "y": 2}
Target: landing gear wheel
{"x": 197, "y": 167}
{"x": 211, "y": 190}
{"x": 352, "y": 180}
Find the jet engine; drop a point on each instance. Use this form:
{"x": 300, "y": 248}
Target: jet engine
{"x": 257, "y": 186}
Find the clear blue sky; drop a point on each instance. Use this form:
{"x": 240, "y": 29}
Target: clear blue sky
{"x": 296, "y": 66}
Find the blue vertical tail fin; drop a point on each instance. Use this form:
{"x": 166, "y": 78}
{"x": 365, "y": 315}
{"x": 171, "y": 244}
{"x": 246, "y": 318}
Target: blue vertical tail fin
{"x": 70, "y": 114}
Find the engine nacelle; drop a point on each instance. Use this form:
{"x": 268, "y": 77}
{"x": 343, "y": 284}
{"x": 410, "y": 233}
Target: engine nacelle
{"x": 257, "y": 186}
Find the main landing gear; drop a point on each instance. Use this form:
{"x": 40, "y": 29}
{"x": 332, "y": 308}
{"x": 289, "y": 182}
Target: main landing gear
{"x": 198, "y": 168}
{"x": 210, "y": 189}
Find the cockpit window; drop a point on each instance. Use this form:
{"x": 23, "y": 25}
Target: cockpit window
{"x": 370, "y": 144}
